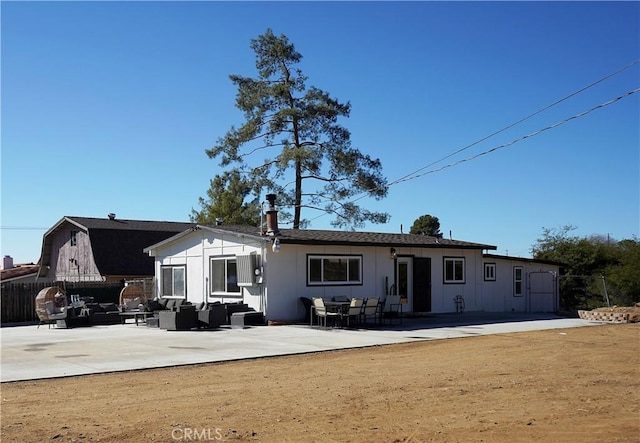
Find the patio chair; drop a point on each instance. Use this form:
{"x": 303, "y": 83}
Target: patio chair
{"x": 354, "y": 311}
{"x": 131, "y": 297}
{"x": 183, "y": 318}
{"x": 392, "y": 308}
{"x": 322, "y": 313}
{"x": 370, "y": 309}
{"x": 76, "y": 302}
{"x": 307, "y": 303}
{"x": 56, "y": 314}
{"x": 51, "y": 303}
{"x": 212, "y": 316}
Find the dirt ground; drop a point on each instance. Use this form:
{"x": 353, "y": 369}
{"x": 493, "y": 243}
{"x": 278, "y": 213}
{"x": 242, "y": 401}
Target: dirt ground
{"x": 566, "y": 385}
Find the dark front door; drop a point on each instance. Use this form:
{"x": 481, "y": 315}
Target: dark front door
{"x": 421, "y": 284}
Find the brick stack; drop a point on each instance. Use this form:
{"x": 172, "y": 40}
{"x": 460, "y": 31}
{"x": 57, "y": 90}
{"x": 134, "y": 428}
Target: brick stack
{"x": 612, "y": 317}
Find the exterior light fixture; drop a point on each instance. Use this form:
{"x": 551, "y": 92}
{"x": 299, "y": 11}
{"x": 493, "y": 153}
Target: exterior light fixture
{"x": 392, "y": 254}
{"x": 276, "y": 245}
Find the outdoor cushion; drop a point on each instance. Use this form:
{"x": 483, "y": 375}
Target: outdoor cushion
{"x": 154, "y": 305}
{"x": 132, "y": 303}
{"x": 94, "y": 307}
{"x": 108, "y": 307}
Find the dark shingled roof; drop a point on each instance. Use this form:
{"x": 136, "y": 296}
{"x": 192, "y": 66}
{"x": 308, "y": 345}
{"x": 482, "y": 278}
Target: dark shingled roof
{"x": 117, "y": 244}
{"x": 120, "y": 252}
{"x": 354, "y": 238}
{"x": 130, "y": 225}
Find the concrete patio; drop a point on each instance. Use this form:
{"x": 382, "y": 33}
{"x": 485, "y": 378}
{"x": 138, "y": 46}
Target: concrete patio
{"x": 30, "y": 353}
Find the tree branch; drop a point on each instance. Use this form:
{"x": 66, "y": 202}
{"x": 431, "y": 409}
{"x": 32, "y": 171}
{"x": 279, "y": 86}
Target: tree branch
{"x": 260, "y": 148}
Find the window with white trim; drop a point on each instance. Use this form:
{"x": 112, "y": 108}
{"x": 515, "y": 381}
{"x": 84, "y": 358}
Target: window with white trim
{"x": 224, "y": 276}
{"x": 518, "y": 273}
{"x": 454, "y": 269}
{"x": 174, "y": 281}
{"x": 326, "y": 270}
{"x": 489, "y": 272}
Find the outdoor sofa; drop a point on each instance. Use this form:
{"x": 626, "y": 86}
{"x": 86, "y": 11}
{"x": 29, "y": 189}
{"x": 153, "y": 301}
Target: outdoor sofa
{"x": 179, "y": 315}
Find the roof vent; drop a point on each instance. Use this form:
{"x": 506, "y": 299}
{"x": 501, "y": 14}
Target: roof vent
{"x": 111, "y": 216}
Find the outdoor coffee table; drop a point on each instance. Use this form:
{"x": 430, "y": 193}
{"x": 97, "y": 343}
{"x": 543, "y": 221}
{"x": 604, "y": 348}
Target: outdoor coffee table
{"x": 136, "y": 315}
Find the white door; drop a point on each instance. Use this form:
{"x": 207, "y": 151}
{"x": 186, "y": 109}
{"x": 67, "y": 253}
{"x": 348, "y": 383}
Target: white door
{"x": 404, "y": 274}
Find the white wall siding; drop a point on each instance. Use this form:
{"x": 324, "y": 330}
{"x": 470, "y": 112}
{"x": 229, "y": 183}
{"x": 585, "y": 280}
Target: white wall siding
{"x": 539, "y": 286}
{"x": 195, "y": 250}
{"x": 284, "y": 278}
{"x": 287, "y": 277}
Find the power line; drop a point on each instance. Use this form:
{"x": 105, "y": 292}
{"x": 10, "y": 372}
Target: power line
{"x": 401, "y": 179}
{"x": 513, "y": 142}
{"x": 412, "y": 176}
{"x": 23, "y": 228}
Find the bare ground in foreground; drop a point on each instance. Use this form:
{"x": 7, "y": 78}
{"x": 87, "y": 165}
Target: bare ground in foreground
{"x": 568, "y": 385}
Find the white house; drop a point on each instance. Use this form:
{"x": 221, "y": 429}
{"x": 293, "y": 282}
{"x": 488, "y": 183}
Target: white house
{"x": 271, "y": 270}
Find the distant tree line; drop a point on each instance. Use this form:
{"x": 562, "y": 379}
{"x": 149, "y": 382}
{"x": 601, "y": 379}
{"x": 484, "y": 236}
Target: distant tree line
{"x": 592, "y": 265}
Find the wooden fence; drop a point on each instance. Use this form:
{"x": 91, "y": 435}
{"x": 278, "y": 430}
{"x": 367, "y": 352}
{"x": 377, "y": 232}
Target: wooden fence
{"x": 18, "y": 300}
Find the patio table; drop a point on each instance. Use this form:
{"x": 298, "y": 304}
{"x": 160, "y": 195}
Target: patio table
{"x": 341, "y": 307}
{"x": 136, "y": 315}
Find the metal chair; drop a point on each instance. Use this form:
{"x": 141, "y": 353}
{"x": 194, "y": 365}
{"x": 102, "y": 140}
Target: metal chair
{"x": 370, "y": 309}
{"x": 392, "y": 308}
{"x": 76, "y": 302}
{"x": 354, "y": 311}
{"x": 321, "y": 311}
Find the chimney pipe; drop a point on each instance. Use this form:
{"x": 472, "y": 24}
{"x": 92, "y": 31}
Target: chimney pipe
{"x": 272, "y": 216}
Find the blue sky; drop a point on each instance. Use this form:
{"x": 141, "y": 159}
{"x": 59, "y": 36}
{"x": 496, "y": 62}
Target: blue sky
{"x": 109, "y": 107}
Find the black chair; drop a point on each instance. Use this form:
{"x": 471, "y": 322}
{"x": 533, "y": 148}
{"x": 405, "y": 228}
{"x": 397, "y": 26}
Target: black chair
{"x": 370, "y": 309}
{"x": 392, "y": 309}
{"x": 183, "y": 318}
{"x": 307, "y": 303}
{"x": 212, "y": 316}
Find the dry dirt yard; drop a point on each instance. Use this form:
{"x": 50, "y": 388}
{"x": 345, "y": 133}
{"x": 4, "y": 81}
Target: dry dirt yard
{"x": 571, "y": 385}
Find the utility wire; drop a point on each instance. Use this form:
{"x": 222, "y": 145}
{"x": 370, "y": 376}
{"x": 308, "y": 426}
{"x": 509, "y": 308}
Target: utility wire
{"x": 401, "y": 179}
{"x": 23, "y": 228}
{"x": 412, "y": 176}
{"x": 533, "y": 134}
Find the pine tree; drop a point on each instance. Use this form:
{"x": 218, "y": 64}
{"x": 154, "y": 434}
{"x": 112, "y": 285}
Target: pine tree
{"x": 297, "y": 127}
